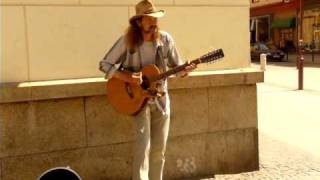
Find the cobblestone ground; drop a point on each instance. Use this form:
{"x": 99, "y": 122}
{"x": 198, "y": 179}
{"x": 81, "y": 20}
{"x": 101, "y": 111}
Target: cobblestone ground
{"x": 279, "y": 160}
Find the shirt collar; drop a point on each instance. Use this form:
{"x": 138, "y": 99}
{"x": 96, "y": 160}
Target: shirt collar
{"x": 158, "y": 43}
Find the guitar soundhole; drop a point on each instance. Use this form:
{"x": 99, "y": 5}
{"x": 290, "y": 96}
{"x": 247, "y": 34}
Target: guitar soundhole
{"x": 145, "y": 82}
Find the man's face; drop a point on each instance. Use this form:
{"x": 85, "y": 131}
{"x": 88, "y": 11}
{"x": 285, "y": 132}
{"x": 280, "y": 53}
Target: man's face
{"x": 148, "y": 24}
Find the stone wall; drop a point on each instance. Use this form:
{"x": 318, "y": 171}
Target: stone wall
{"x": 70, "y": 123}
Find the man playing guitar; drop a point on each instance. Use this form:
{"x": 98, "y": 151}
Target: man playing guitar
{"x": 144, "y": 45}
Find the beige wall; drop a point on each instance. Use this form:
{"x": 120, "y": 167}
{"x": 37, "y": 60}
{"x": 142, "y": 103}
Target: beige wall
{"x": 63, "y": 39}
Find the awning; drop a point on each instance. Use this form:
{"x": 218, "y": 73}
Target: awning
{"x": 284, "y": 23}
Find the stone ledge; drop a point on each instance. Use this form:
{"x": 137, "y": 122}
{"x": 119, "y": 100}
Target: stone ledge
{"x": 43, "y": 90}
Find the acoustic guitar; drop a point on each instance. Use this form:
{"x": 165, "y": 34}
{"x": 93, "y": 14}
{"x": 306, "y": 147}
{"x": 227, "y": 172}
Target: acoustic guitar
{"x": 129, "y": 99}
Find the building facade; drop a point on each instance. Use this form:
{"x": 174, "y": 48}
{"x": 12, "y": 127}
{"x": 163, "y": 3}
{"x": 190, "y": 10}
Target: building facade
{"x": 275, "y": 22}
{"x": 311, "y": 24}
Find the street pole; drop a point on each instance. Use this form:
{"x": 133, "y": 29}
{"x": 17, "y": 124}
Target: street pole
{"x": 300, "y": 44}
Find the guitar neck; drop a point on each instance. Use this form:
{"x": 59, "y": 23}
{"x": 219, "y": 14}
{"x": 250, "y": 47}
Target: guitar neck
{"x": 209, "y": 57}
{"x": 175, "y": 70}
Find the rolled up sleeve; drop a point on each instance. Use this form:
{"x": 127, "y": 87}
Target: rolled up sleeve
{"x": 174, "y": 58}
{"x": 114, "y": 58}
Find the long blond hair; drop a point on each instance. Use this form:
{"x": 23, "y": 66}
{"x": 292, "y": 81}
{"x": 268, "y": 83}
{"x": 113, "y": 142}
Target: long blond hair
{"x": 135, "y": 37}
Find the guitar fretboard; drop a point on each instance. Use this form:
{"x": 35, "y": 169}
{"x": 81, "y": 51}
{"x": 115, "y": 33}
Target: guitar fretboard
{"x": 212, "y": 56}
{"x": 174, "y": 70}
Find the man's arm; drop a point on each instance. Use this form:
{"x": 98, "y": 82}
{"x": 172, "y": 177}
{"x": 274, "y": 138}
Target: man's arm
{"x": 187, "y": 70}
{"x": 114, "y": 58}
{"x": 175, "y": 60}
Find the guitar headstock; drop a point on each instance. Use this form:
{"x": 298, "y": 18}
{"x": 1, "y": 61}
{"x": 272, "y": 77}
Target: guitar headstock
{"x": 212, "y": 56}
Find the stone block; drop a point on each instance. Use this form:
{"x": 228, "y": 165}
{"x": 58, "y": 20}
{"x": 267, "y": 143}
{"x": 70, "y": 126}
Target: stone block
{"x": 226, "y": 79}
{"x": 11, "y": 92}
{"x": 53, "y": 91}
{"x": 232, "y": 151}
{"x": 73, "y": 39}
{"x": 190, "y": 82}
{"x": 41, "y": 126}
{"x": 44, "y": 90}
{"x": 189, "y": 111}
{"x": 13, "y": 53}
{"x": 104, "y": 162}
{"x": 38, "y": 2}
{"x": 99, "y": 164}
{"x": 105, "y": 125}
{"x": 185, "y": 157}
{"x": 232, "y": 107}
{"x": 203, "y": 79}
{"x": 202, "y": 155}
{"x": 31, "y": 167}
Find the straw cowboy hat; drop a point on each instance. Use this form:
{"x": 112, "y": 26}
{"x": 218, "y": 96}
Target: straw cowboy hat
{"x": 146, "y": 8}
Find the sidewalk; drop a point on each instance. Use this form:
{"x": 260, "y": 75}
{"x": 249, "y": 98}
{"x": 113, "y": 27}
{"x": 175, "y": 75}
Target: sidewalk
{"x": 289, "y": 122}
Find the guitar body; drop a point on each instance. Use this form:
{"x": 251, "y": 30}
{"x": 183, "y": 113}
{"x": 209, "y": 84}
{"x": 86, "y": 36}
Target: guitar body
{"x": 127, "y": 98}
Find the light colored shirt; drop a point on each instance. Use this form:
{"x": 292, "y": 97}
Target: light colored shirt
{"x": 148, "y": 57}
{"x": 166, "y": 56}
{"x": 148, "y": 53}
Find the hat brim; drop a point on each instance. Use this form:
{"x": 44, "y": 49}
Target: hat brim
{"x": 157, "y": 14}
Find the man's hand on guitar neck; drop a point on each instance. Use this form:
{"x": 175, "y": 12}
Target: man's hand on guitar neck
{"x": 132, "y": 78}
{"x": 188, "y": 69}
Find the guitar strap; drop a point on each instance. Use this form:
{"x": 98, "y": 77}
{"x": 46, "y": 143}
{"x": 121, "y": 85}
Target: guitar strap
{"x": 140, "y": 58}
